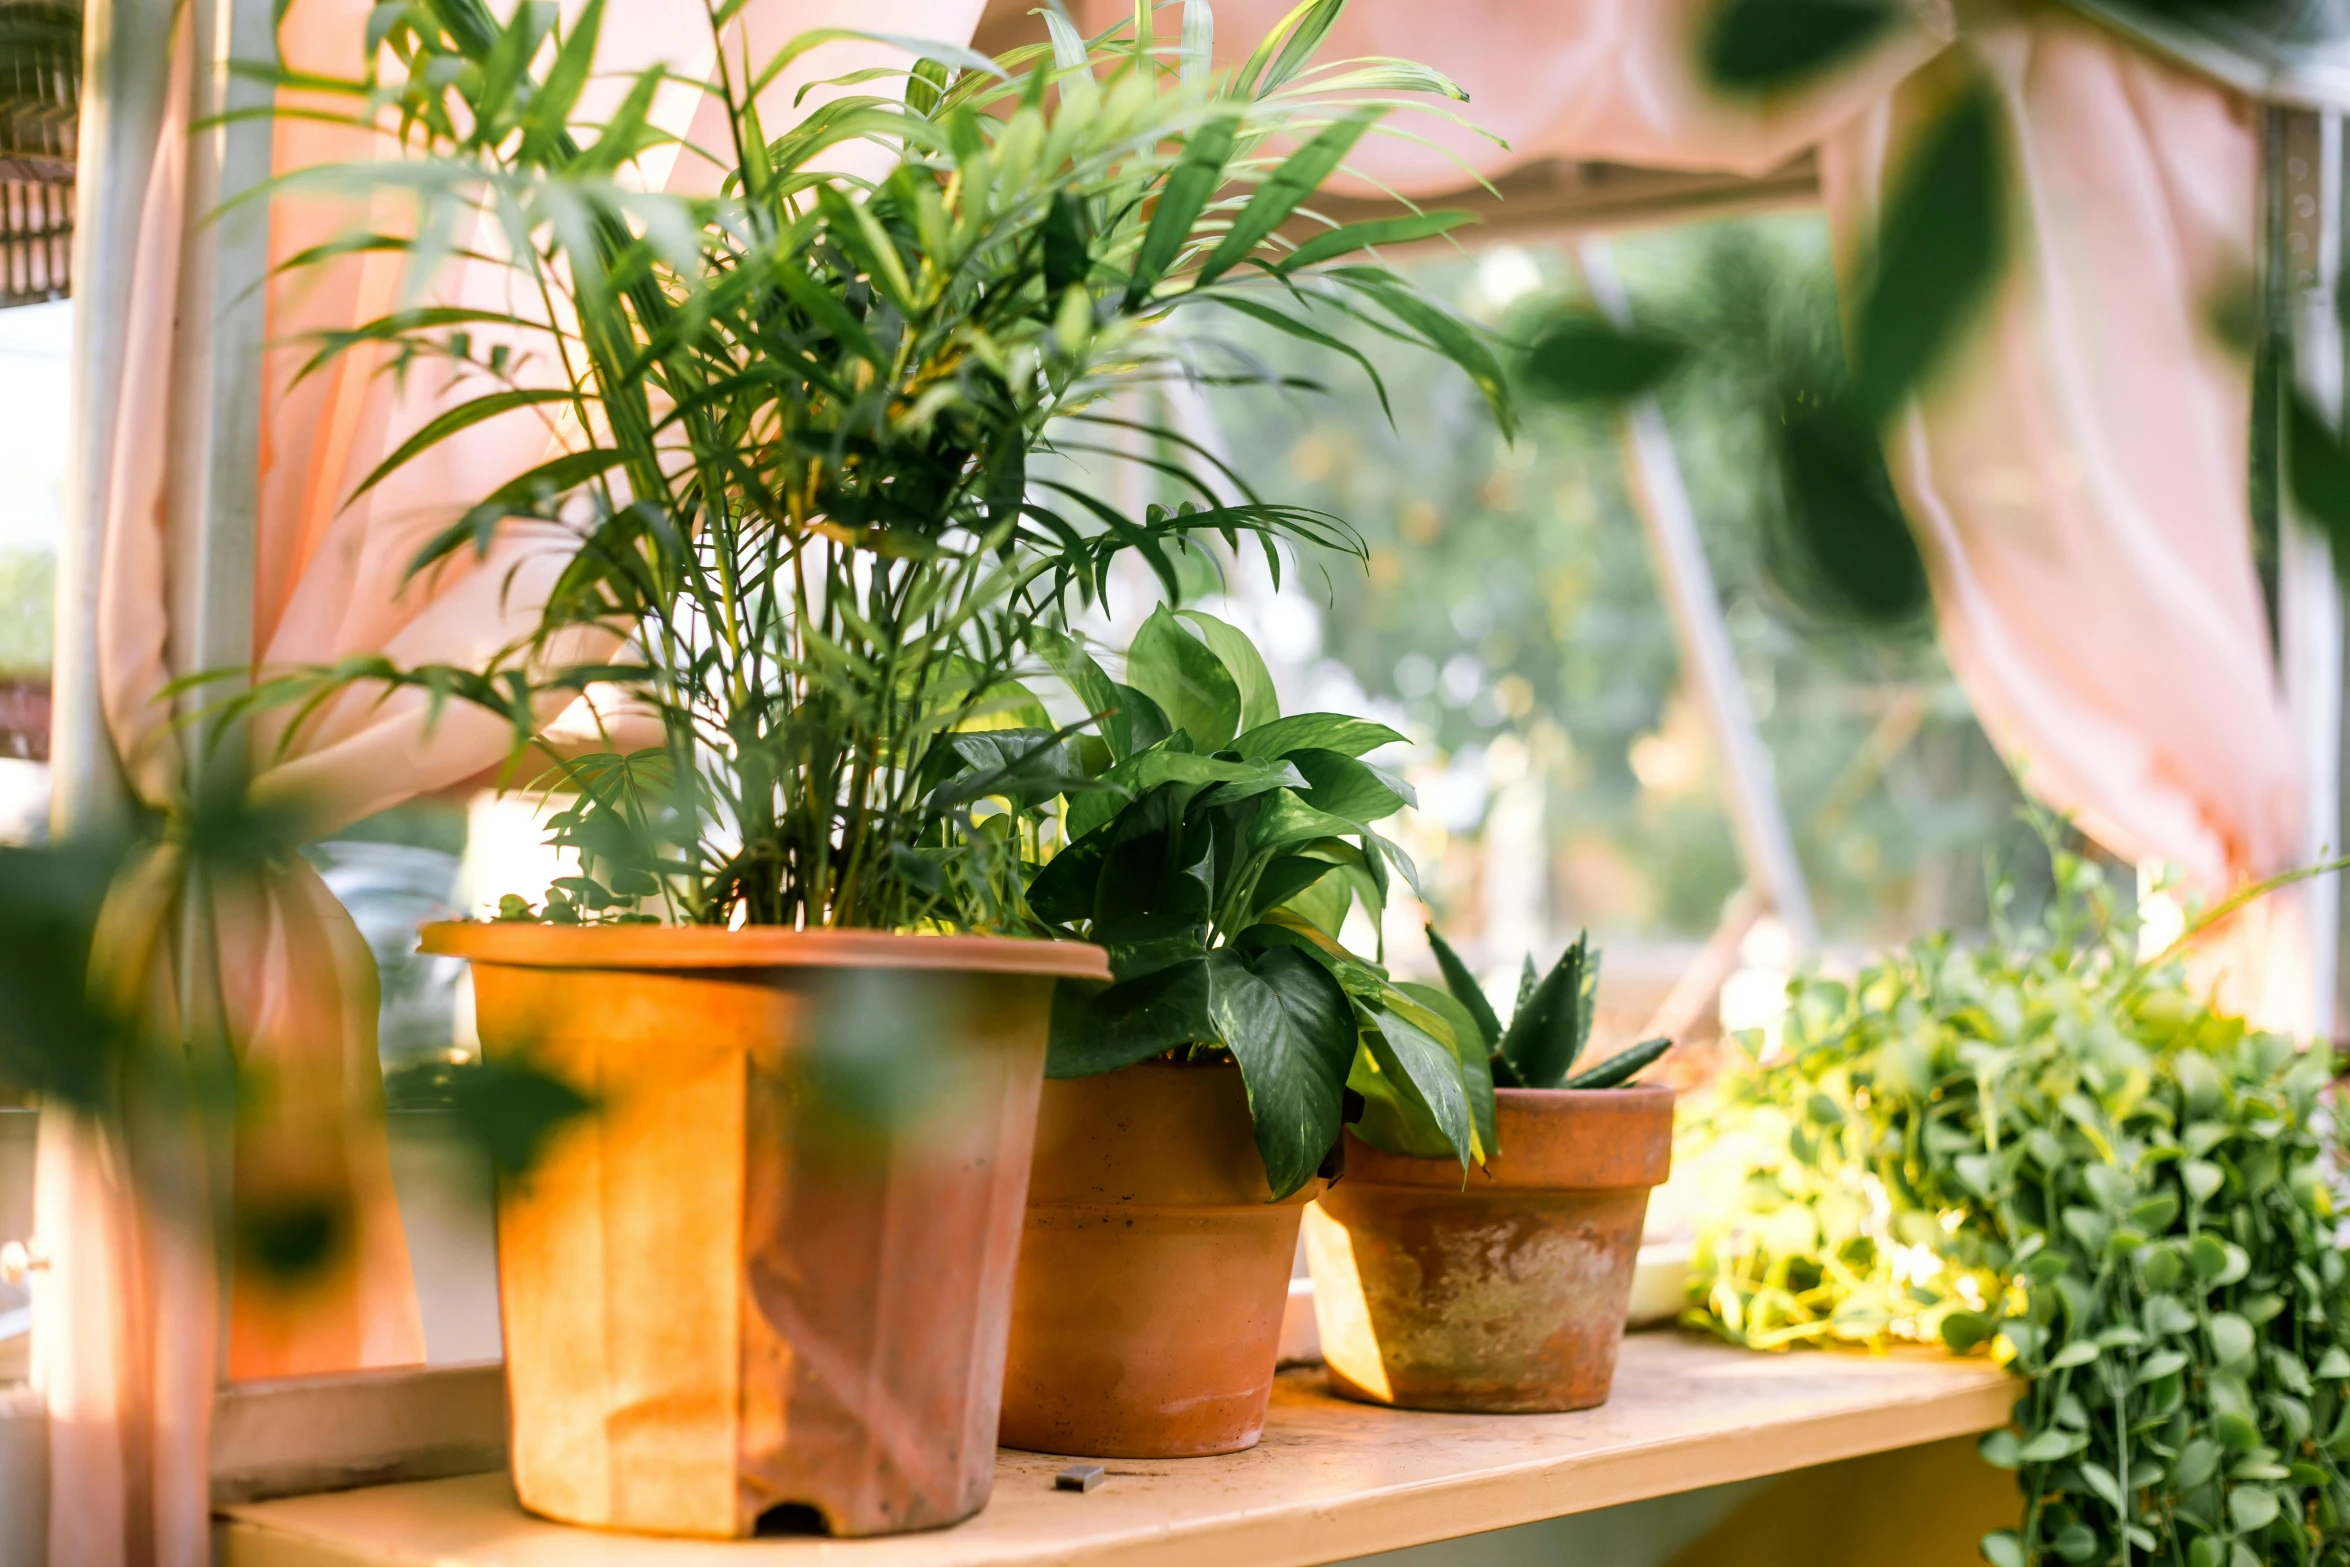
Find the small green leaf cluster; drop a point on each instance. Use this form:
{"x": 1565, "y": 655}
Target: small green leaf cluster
{"x": 1219, "y": 866}
{"x": 1550, "y": 1024}
{"x": 2053, "y": 1150}
{"x": 792, "y": 526}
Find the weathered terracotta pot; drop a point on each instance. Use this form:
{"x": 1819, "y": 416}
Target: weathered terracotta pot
{"x": 721, "y": 1294}
{"x": 1153, "y": 1269}
{"x": 1507, "y": 1295}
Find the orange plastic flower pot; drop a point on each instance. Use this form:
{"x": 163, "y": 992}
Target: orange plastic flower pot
{"x": 1147, "y": 1315}
{"x": 724, "y": 1292}
{"x": 1503, "y": 1295}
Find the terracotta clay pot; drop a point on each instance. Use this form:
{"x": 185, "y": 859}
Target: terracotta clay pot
{"x": 1153, "y": 1269}
{"x": 1507, "y": 1295}
{"x": 725, "y": 1293}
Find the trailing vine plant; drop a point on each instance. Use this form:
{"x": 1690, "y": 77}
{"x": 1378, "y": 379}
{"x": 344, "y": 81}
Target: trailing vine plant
{"x": 2050, "y": 1150}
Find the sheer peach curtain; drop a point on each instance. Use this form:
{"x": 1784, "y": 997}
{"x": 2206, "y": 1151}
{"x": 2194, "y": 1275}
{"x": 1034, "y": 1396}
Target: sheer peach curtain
{"x": 2079, "y": 480}
{"x": 2078, "y": 475}
{"x": 129, "y": 1335}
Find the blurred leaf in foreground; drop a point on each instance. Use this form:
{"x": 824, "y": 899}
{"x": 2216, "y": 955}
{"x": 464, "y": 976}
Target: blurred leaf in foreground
{"x": 64, "y": 1043}
{"x": 2317, "y": 471}
{"x": 56, "y": 1039}
{"x": 1755, "y": 46}
{"x": 1579, "y": 356}
{"x": 1843, "y": 546}
{"x": 1940, "y": 248}
{"x": 288, "y": 1235}
{"x": 873, "y": 1069}
{"x": 512, "y": 1107}
{"x": 1941, "y": 243}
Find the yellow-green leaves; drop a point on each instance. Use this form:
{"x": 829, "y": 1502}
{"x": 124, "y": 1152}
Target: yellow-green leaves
{"x": 546, "y": 118}
{"x": 1298, "y": 177}
{"x": 2252, "y": 1507}
{"x": 2201, "y": 1178}
{"x": 1073, "y": 322}
{"x": 1182, "y": 198}
{"x": 2041, "y": 1146}
{"x": 1198, "y": 51}
{"x": 1258, "y": 704}
{"x": 1347, "y": 238}
{"x": 1185, "y": 677}
{"x": 1287, "y": 48}
{"x": 1410, "y": 1078}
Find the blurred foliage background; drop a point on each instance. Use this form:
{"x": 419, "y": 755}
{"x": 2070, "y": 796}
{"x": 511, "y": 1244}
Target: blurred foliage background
{"x": 1510, "y": 618}
{"x": 28, "y": 586}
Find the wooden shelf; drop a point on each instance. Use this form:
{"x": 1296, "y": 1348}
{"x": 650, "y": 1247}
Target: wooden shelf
{"x": 1330, "y": 1480}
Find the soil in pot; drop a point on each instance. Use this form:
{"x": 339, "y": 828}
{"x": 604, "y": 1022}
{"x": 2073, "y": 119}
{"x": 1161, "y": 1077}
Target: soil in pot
{"x": 1153, "y": 1269}
{"x": 732, "y": 1291}
{"x": 1504, "y": 1295}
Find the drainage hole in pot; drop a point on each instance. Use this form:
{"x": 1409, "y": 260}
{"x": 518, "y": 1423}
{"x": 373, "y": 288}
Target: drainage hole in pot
{"x": 790, "y": 1518}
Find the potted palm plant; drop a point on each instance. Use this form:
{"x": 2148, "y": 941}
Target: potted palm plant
{"x": 1195, "y": 1105}
{"x": 1507, "y": 1292}
{"x": 802, "y": 552}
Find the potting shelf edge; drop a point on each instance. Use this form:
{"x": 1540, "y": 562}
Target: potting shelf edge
{"x": 1330, "y": 1480}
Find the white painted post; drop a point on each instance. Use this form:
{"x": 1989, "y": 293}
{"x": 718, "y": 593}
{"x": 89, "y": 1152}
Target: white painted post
{"x": 214, "y": 434}
{"x": 126, "y": 53}
{"x": 1757, "y": 819}
{"x": 1262, "y": 604}
{"x": 215, "y": 464}
{"x": 217, "y": 357}
{"x": 2309, "y": 599}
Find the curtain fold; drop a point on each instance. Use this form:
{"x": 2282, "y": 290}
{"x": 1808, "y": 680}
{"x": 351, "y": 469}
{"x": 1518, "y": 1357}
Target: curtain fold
{"x": 2078, "y": 474}
{"x": 1580, "y": 80}
{"x": 137, "y": 1317}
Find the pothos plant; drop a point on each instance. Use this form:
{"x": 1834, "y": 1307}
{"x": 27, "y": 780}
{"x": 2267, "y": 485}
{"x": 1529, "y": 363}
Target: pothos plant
{"x": 1550, "y": 1024}
{"x": 1217, "y": 858}
{"x": 794, "y": 420}
{"x": 2054, "y": 1151}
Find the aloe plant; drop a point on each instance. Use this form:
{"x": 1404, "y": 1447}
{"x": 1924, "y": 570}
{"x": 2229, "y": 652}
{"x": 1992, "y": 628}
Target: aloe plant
{"x": 796, "y": 419}
{"x": 1549, "y": 1026}
{"x": 1218, "y": 859}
